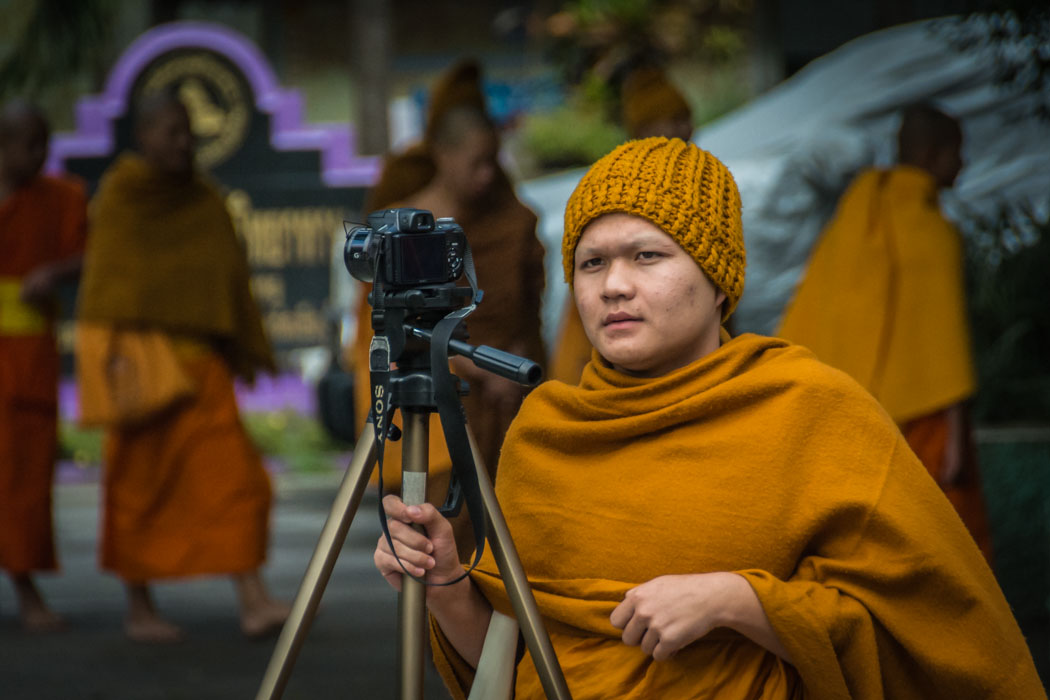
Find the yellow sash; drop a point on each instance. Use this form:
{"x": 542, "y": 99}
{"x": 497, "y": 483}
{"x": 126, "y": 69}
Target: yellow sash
{"x": 16, "y": 316}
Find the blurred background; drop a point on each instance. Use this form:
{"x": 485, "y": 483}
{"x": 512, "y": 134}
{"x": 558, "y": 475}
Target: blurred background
{"x": 295, "y": 103}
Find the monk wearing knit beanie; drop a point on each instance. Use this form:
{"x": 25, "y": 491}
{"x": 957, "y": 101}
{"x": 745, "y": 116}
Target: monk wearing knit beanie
{"x": 706, "y": 518}
{"x": 650, "y": 106}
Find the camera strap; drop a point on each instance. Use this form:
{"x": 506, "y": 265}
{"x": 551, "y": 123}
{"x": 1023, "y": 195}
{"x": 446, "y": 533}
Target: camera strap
{"x": 464, "y": 475}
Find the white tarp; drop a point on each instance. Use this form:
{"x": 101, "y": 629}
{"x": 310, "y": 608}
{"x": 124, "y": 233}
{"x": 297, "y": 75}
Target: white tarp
{"x": 794, "y": 150}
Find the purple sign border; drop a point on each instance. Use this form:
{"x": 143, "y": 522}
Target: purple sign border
{"x": 340, "y": 166}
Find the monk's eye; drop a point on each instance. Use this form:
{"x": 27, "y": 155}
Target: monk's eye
{"x": 590, "y": 263}
{"x": 649, "y": 255}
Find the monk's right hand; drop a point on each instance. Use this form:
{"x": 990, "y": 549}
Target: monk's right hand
{"x": 431, "y": 552}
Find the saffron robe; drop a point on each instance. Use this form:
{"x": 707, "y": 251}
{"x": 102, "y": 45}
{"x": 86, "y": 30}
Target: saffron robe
{"x": 760, "y": 460}
{"x": 41, "y": 223}
{"x": 186, "y": 492}
{"x": 883, "y": 299}
{"x": 883, "y": 296}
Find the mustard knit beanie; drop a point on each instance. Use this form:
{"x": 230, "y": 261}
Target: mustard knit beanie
{"x": 684, "y": 190}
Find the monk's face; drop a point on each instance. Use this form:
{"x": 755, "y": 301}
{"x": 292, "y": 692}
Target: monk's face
{"x": 23, "y": 148}
{"x": 167, "y": 141}
{"x": 646, "y": 306}
{"x": 469, "y": 166}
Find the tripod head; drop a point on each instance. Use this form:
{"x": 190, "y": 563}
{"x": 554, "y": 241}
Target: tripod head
{"x": 413, "y": 262}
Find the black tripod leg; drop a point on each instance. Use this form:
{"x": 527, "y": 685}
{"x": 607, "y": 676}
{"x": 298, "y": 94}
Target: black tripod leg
{"x": 345, "y": 505}
{"x": 525, "y": 609}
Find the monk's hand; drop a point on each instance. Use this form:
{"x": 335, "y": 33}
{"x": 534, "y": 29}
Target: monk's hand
{"x": 38, "y": 287}
{"x": 669, "y": 612}
{"x": 431, "y": 552}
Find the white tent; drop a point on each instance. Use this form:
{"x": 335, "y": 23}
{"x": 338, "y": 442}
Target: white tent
{"x": 794, "y": 150}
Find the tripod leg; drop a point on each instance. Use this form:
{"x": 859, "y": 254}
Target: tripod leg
{"x": 412, "y": 601}
{"x": 525, "y": 609}
{"x": 345, "y": 505}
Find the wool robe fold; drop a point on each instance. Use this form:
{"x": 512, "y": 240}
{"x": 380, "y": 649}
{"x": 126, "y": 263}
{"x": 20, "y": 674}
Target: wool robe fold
{"x": 760, "y": 460}
{"x": 883, "y": 299}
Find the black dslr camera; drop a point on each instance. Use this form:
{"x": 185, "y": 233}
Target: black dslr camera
{"x": 406, "y": 248}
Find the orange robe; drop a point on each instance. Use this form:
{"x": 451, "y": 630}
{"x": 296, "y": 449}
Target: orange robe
{"x": 185, "y": 493}
{"x": 755, "y": 459}
{"x": 883, "y": 299}
{"x": 42, "y": 222}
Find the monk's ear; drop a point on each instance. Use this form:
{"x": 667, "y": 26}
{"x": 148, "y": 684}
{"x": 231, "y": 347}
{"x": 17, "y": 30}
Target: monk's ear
{"x": 720, "y": 303}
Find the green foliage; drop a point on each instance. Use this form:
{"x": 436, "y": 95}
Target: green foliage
{"x": 81, "y": 445}
{"x": 297, "y": 441}
{"x": 59, "y": 38}
{"x": 1010, "y": 314}
{"x": 571, "y": 136}
{"x": 627, "y": 12}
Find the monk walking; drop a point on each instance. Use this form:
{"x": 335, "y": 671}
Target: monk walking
{"x": 883, "y": 299}
{"x": 650, "y": 106}
{"x": 455, "y": 173}
{"x": 185, "y": 492}
{"x": 42, "y": 226}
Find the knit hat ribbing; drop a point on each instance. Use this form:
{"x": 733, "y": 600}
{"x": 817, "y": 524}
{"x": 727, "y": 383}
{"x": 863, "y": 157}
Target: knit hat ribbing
{"x": 684, "y": 190}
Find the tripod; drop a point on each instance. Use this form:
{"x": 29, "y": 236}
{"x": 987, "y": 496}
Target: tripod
{"x": 413, "y": 392}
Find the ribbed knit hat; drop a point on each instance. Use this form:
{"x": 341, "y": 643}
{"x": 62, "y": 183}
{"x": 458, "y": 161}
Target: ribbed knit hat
{"x": 684, "y": 190}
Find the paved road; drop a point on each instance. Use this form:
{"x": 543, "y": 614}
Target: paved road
{"x": 350, "y": 652}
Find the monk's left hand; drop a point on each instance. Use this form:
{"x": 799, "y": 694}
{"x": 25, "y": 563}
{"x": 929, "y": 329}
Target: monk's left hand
{"x": 669, "y": 612}
{"x": 38, "y": 286}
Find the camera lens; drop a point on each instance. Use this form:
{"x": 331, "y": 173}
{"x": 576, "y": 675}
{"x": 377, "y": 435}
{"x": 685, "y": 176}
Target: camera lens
{"x": 359, "y": 254}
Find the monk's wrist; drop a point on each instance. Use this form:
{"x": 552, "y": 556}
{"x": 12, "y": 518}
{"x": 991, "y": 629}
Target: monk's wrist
{"x": 740, "y": 606}
{"x": 450, "y": 598}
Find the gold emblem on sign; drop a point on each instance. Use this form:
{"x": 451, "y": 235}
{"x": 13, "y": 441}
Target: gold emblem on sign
{"x": 215, "y": 97}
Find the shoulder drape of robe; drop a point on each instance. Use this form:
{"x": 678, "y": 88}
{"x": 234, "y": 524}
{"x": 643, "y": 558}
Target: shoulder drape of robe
{"x": 164, "y": 253}
{"x": 760, "y": 460}
{"x": 883, "y": 296}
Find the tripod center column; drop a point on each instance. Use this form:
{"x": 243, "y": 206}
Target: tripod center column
{"x": 412, "y": 602}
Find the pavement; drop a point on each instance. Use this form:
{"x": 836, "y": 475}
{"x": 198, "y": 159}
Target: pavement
{"x": 350, "y": 651}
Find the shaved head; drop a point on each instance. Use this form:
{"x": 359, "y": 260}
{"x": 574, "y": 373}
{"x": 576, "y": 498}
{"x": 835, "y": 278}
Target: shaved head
{"x": 457, "y": 123}
{"x": 932, "y": 140}
{"x": 152, "y": 105}
{"x": 18, "y": 116}
{"x": 163, "y": 133}
{"x": 24, "y": 135}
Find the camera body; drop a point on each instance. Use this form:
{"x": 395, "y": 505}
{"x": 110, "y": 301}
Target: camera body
{"x": 406, "y": 248}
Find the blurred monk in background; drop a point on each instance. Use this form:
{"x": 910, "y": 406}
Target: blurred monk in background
{"x": 884, "y": 299}
{"x": 42, "y": 226}
{"x": 454, "y": 172}
{"x": 185, "y": 490}
{"x": 650, "y": 106}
